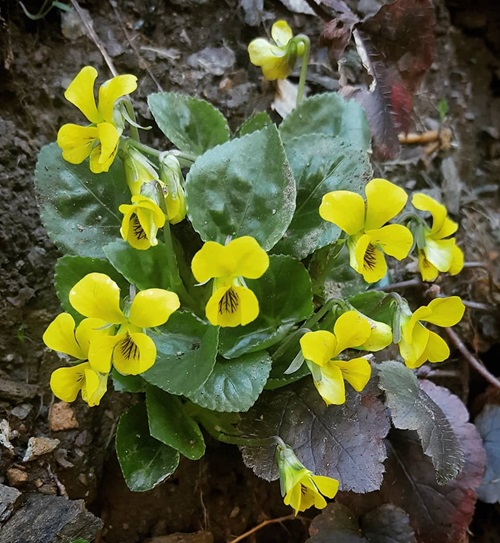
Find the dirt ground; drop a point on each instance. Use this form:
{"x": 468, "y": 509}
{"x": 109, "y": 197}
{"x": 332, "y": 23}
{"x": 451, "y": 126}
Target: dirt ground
{"x": 198, "y": 47}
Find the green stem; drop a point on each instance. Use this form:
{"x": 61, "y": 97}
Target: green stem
{"x": 304, "y": 40}
{"x": 248, "y": 441}
{"x": 186, "y": 159}
{"x": 146, "y": 149}
{"x": 134, "y": 132}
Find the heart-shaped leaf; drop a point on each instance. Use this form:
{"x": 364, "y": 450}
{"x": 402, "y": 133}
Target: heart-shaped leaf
{"x": 191, "y": 124}
{"x": 488, "y": 425}
{"x": 242, "y": 188}
{"x": 79, "y": 209}
{"x": 344, "y": 442}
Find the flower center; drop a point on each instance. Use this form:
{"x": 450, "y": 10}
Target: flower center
{"x": 129, "y": 349}
{"x": 137, "y": 228}
{"x": 370, "y": 258}
{"x": 229, "y": 302}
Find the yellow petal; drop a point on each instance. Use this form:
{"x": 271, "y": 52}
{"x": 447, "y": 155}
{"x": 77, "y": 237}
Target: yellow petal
{"x": 60, "y": 336}
{"x": 81, "y": 93}
{"x": 380, "y": 336}
{"x": 331, "y": 386}
{"x": 231, "y": 306}
{"x": 101, "y": 351}
{"x": 326, "y": 485}
{"x": 412, "y": 347}
{"x": 210, "y": 262}
{"x": 88, "y": 329}
{"x": 442, "y": 226}
{"x": 247, "y": 256}
{"x": 176, "y": 207}
{"x": 98, "y": 296}
{"x": 293, "y": 498}
{"x": 366, "y": 259}
{"x": 437, "y": 349}
{"x": 345, "y": 209}
{"x": 76, "y": 142}
{"x": 241, "y": 257}
{"x": 427, "y": 270}
{"x": 134, "y": 354}
{"x": 445, "y": 311}
{"x": 457, "y": 260}
{"x": 384, "y": 201}
{"x": 150, "y": 220}
{"x": 132, "y": 232}
{"x": 395, "y": 240}
{"x": 351, "y": 330}
{"x": 153, "y": 307}
{"x": 310, "y": 495}
{"x": 113, "y": 89}
{"x": 439, "y": 253}
{"x": 94, "y": 387}
{"x": 281, "y": 33}
{"x": 103, "y": 155}
{"x": 318, "y": 347}
{"x": 356, "y": 372}
{"x": 66, "y": 383}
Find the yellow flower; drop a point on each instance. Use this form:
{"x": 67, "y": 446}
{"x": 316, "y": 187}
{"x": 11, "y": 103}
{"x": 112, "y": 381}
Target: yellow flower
{"x": 175, "y": 200}
{"x": 380, "y": 335}
{"x": 276, "y": 60}
{"x": 300, "y": 488}
{"x": 231, "y": 303}
{"x": 131, "y": 350}
{"x": 100, "y": 139}
{"x": 62, "y": 336}
{"x": 66, "y": 383}
{"x": 141, "y": 221}
{"x": 138, "y": 170}
{"x": 320, "y": 349}
{"x": 364, "y": 223}
{"x": 418, "y": 344}
{"x": 439, "y": 252}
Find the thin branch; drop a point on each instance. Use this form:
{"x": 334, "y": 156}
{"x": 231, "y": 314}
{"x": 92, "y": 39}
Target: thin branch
{"x": 415, "y": 282}
{"x": 471, "y": 359}
{"x": 92, "y": 34}
{"x": 263, "y": 524}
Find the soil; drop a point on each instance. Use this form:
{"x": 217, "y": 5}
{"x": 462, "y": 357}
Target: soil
{"x": 198, "y": 47}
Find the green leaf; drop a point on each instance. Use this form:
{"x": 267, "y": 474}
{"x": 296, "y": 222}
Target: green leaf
{"x": 252, "y": 124}
{"x": 243, "y": 187}
{"x": 70, "y": 269}
{"x": 235, "y": 384}
{"x": 328, "y": 114}
{"x": 340, "y": 441}
{"x": 376, "y": 305}
{"x": 191, "y": 124}
{"x": 187, "y": 349}
{"x": 280, "y": 308}
{"x": 79, "y": 208}
{"x": 169, "y": 424}
{"x": 145, "y": 269}
{"x": 319, "y": 164}
{"x": 145, "y": 461}
{"x": 127, "y": 383}
{"x": 413, "y": 409}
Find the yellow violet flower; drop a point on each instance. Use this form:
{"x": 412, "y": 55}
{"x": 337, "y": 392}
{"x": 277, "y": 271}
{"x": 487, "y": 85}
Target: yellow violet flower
{"x": 138, "y": 170}
{"x": 232, "y": 303}
{"x": 321, "y": 349}
{"x": 418, "y": 344}
{"x": 365, "y": 224}
{"x": 66, "y": 383}
{"x": 439, "y": 252}
{"x": 300, "y": 488}
{"x": 62, "y": 336}
{"x": 276, "y": 60}
{"x": 100, "y": 139}
{"x": 141, "y": 221}
{"x": 175, "y": 200}
{"x": 130, "y": 349}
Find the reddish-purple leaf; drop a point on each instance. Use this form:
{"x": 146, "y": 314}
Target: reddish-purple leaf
{"x": 336, "y": 523}
{"x": 340, "y": 441}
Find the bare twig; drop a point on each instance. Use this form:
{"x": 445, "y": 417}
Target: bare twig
{"x": 263, "y": 524}
{"x": 471, "y": 359}
{"x": 478, "y": 305}
{"x": 92, "y": 34}
{"x": 415, "y": 282}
